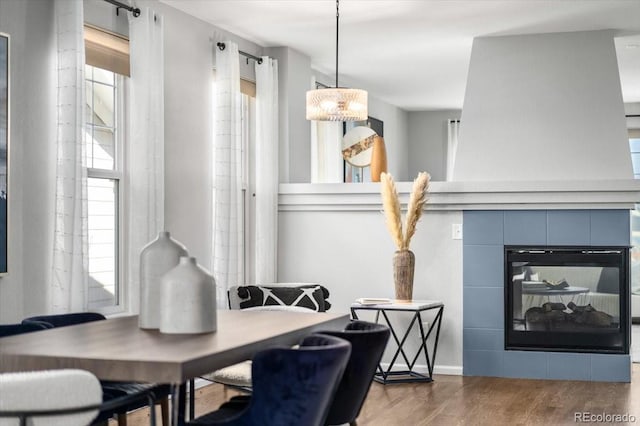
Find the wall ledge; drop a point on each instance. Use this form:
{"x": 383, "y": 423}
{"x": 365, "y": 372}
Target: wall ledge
{"x": 549, "y": 195}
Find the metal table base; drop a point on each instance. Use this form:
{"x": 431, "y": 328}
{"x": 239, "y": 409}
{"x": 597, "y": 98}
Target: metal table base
{"x": 417, "y": 307}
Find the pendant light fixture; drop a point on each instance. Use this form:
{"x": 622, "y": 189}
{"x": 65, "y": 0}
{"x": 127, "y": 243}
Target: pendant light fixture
{"x": 337, "y": 103}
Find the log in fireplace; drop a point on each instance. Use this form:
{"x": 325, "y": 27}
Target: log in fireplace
{"x": 572, "y": 299}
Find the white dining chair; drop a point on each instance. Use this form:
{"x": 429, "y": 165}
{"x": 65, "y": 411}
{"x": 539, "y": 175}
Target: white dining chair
{"x": 49, "y": 398}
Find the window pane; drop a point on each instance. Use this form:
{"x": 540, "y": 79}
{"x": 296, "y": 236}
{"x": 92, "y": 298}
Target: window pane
{"x": 103, "y": 76}
{"x": 102, "y": 197}
{"x": 100, "y": 118}
{"x": 101, "y": 151}
{"x": 634, "y": 144}
{"x": 635, "y": 159}
{"x": 103, "y": 112}
{"x": 88, "y": 72}
{"x": 88, "y": 93}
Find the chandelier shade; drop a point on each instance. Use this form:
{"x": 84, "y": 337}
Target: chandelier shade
{"x": 337, "y": 104}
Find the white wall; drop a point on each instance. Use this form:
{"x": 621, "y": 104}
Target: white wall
{"x": 350, "y": 252}
{"x": 428, "y": 142}
{"x": 543, "y": 107}
{"x": 31, "y": 156}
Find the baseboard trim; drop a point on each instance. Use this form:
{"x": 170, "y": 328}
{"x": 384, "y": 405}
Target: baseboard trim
{"x": 448, "y": 370}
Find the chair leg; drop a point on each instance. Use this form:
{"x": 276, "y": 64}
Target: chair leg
{"x": 122, "y": 419}
{"x": 164, "y": 410}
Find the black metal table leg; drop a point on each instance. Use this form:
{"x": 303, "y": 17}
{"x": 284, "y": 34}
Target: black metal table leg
{"x": 178, "y": 402}
{"x": 192, "y": 399}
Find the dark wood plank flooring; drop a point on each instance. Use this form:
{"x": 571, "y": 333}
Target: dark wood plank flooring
{"x": 456, "y": 400}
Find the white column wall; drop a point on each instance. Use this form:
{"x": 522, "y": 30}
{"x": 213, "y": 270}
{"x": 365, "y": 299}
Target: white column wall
{"x": 543, "y": 107}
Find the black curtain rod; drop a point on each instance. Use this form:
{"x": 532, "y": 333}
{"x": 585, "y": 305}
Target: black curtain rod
{"x": 134, "y": 10}
{"x": 632, "y": 115}
{"x": 223, "y": 46}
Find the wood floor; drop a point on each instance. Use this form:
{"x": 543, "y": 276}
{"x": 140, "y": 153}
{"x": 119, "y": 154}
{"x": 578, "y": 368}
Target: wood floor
{"x": 456, "y": 400}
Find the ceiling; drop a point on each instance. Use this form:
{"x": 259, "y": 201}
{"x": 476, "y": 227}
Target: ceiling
{"x": 415, "y": 53}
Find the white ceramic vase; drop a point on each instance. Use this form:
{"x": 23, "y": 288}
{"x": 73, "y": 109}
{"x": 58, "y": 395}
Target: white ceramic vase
{"x": 188, "y": 300}
{"x": 156, "y": 259}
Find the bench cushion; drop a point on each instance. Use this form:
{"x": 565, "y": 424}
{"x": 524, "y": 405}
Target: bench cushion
{"x": 310, "y": 296}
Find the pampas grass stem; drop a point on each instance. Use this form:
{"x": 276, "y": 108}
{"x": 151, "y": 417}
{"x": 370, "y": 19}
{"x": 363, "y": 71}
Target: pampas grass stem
{"x": 391, "y": 205}
{"x": 414, "y": 210}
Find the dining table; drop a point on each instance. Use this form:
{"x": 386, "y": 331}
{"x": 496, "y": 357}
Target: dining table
{"x": 117, "y": 349}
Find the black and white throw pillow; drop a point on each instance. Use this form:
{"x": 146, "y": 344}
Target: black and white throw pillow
{"x": 308, "y": 296}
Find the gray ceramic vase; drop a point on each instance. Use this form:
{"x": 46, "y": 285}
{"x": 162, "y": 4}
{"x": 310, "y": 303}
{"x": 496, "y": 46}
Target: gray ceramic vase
{"x": 188, "y": 300}
{"x": 156, "y": 259}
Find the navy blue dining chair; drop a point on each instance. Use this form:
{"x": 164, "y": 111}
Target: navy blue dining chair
{"x": 14, "y": 329}
{"x": 368, "y": 342}
{"x": 290, "y": 386}
{"x": 119, "y": 397}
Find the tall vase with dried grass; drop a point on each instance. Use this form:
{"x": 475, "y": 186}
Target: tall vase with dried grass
{"x": 404, "y": 260}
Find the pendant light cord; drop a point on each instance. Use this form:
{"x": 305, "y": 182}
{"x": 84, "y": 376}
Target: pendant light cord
{"x": 337, "y": 43}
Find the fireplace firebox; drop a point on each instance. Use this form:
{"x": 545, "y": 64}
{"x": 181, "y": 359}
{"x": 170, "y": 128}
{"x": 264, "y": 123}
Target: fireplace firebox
{"x": 568, "y": 299}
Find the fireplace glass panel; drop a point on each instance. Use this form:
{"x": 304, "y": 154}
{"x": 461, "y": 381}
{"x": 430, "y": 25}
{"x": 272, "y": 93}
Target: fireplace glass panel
{"x": 567, "y": 299}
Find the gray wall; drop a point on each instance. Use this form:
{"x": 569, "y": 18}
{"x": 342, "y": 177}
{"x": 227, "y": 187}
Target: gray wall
{"x": 543, "y": 107}
{"x": 350, "y": 252}
{"x": 294, "y": 79}
{"x": 396, "y": 136}
{"x": 188, "y": 47}
{"x": 428, "y": 137}
{"x": 102, "y": 14}
{"x": 31, "y": 156}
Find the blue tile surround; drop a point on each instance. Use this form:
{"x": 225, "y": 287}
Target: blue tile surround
{"x": 485, "y": 233}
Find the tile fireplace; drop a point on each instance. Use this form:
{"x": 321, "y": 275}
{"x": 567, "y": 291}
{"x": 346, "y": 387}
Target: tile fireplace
{"x": 487, "y": 237}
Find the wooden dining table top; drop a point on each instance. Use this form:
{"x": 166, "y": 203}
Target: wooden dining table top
{"x": 117, "y": 349}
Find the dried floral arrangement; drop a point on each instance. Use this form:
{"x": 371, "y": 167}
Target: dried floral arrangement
{"x": 391, "y": 205}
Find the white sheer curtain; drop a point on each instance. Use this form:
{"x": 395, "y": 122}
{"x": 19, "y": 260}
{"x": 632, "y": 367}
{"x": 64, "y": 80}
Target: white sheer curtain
{"x": 326, "y": 149}
{"x": 453, "y": 131}
{"x": 145, "y": 144}
{"x": 228, "y": 245}
{"x": 326, "y": 152}
{"x": 68, "y": 290}
{"x": 266, "y": 249}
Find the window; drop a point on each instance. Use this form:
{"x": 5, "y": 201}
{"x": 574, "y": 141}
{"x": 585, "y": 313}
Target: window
{"x": 248, "y": 164}
{"x": 103, "y": 138}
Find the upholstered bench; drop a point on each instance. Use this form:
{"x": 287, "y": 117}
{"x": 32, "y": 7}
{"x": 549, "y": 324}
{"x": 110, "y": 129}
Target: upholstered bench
{"x": 293, "y": 297}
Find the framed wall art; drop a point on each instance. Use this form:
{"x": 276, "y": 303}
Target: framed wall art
{"x": 4, "y": 148}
